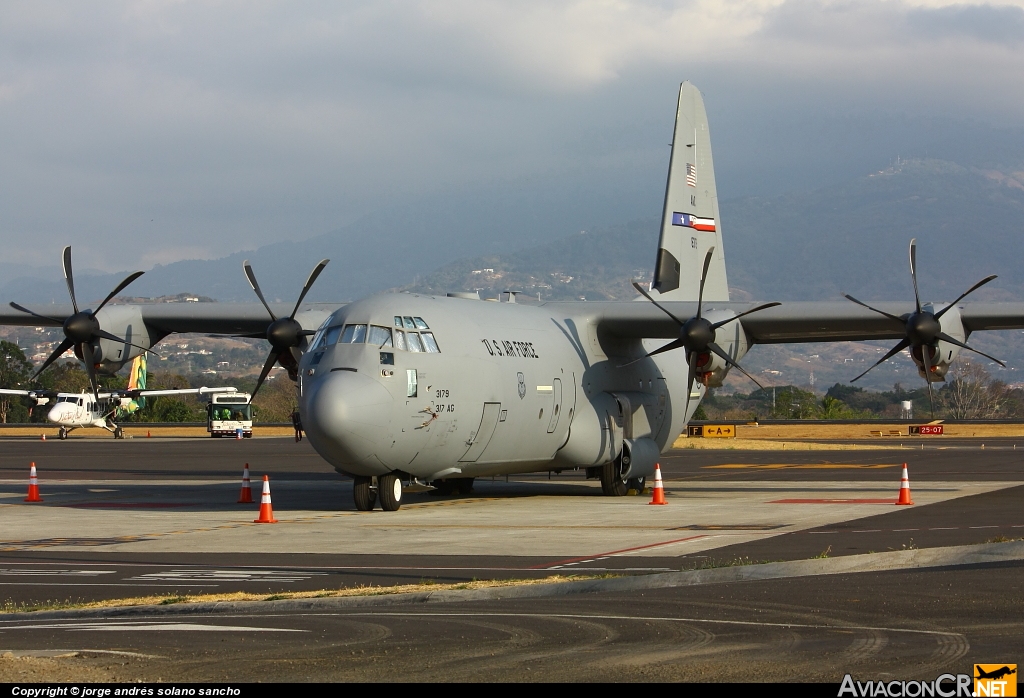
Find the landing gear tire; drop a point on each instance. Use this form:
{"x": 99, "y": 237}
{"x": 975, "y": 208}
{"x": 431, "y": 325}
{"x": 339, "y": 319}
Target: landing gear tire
{"x": 389, "y": 490}
{"x": 62, "y": 434}
{"x": 612, "y": 483}
{"x": 364, "y": 495}
{"x": 637, "y": 483}
{"x": 118, "y": 433}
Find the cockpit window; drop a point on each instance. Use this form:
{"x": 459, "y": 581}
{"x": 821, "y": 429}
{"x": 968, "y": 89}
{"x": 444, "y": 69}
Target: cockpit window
{"x": 398, "y": 321}
{"x": 429, "y": 343}
{"x": 420, "y": 325}
{"x": 409, "y": 324}
{"x": 381, "y": 336}
{"x": 331, "y": 335}
{"x": 414, "y": 342}
{"x": 353, "y": 334}
{"x": 400, "y": 340}
{"x": 320, "y": 340}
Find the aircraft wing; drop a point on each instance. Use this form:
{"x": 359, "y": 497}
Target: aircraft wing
{"x": 790, "y": 322}
{"x": 181, "y": 391}
{"x": 166, "y": 318}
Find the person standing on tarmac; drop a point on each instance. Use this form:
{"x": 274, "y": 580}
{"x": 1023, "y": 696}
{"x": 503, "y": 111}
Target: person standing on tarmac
{"x": 297, "y": 423}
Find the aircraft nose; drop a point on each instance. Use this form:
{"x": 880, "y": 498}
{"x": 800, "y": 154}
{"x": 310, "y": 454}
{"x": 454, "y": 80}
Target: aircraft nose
{"x": 347, "y": 417}
{"x": 56, "y": 413}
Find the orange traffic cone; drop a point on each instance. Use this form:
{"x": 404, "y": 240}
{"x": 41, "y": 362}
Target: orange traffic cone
{"x": 904, "y": 488}
{"x": 149, "y": 434}
{"x": 42, "y": 437}
{"x": 659, "y": 488}
{"x": 33, "y": 486}
{"x": 266, "y": 508}
{"x": 246, "y": 496}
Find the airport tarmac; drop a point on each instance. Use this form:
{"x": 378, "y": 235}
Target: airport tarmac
{"x": 158, "y": 517}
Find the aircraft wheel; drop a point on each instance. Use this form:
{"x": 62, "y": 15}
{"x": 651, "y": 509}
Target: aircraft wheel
{"x": 62, "y": 434}
{"x": 363, "y": 494}
{"x": 612, "y": 483}
{"x": 637, "y": 483}
{"x": 389, "y": 490}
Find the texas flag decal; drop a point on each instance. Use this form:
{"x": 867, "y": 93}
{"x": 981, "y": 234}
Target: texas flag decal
{"x": 690, "y": 221}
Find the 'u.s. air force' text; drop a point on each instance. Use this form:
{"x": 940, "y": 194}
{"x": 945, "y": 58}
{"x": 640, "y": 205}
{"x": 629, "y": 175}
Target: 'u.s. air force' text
{"x": 512, "y": 348}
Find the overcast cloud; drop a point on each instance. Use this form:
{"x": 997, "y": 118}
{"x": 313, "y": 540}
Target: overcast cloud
{"x": 149, "y": 132}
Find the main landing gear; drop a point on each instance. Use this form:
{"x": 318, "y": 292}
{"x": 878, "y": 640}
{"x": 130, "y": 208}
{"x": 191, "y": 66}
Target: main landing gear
{"x": 388, "y": 489}
{"x": 614, "y": 485}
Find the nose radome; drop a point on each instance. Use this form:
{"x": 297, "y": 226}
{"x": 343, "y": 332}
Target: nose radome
{"x": 347, "y": 417}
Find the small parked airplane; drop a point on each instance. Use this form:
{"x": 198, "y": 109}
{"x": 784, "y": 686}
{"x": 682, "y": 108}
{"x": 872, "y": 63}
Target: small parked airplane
{"x": 75, "y": 410}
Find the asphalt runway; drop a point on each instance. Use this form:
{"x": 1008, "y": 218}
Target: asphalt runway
{"x": 158, "y": 517}
{"x": 902, "y": 625}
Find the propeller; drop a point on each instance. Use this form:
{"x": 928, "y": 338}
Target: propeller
{"x": 284, "y": 334}
{"x": 922, "y": 328}
{"x": 81, "y": 329}
{"x": 697, "y": 335}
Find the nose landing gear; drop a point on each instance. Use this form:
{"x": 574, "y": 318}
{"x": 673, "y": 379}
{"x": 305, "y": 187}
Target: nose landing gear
{"x": 388, "y": 489}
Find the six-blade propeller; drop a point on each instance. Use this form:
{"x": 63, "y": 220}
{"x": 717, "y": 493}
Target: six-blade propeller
{"x": 697, "y": 335}
{"x": 284, "y": 334}
{"x": 81, "y": 329}
{"x": 922, "y": 328}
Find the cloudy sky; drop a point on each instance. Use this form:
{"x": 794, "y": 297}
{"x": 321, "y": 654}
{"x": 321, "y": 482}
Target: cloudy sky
{"x": 147, "y": 132}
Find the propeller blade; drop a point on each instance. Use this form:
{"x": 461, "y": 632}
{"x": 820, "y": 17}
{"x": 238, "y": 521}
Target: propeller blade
{"x": 256, "y": 287}
{"x": 729, "y": 360}
{"x": 913, "y": 272}
{"x": 745, "y": 312}
{"x": 90, "y": 368}
{"x": 691, "y": 375}
{"x": 660, "y": 307}
{"x": 946, "y": 338}
{"x": 703, "y": 278}
{"x": 69, "y": 276}
{"x": 271, "y": 360}
{"x": 120, "y": 287}
{"x": 55, "y": 321}
{"x": 926, "y": 359}
{"x": 880, "y": 312}
{"x": 114, "y": 338}
{"x": 63, "y": 347}
{"x": 973, "y": 288}
{"x": 892, "y": 352}
{"x": 674, "y": 344}
{"x": 309, "y": 282}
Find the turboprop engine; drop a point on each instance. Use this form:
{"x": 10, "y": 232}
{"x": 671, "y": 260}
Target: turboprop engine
{"x": 711, "y": 369}
{"x": 943, "y": 353}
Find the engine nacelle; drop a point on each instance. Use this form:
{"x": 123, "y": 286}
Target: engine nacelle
{"x": 711, "y": 368}
{"x": 944, "y": 353}
{"x": 123, "y": 321}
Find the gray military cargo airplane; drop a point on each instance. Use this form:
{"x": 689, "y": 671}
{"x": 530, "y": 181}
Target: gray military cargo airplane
{"x": 435, "y": 391}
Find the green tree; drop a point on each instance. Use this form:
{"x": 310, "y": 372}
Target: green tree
{"x": 15, "y": 371}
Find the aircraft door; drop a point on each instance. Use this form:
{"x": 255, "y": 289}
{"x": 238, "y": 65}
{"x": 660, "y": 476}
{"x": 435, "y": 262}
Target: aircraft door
{"x": 556, "y": 405}
{"x": 482, "y": 436}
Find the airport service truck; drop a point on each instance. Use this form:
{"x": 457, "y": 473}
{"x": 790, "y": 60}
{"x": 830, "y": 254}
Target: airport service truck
{"x": 227, "y": 413}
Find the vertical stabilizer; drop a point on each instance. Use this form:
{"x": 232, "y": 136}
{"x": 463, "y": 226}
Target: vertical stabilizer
{"x": 690, "y": 223}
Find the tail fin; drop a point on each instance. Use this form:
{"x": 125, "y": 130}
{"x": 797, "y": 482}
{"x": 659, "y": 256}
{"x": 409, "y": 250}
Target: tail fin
{"x": 690, "y": 222}
{"x": 137, "y": 381}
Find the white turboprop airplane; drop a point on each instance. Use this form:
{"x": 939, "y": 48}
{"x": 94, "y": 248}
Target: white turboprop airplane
{"x": 76, "y": 410}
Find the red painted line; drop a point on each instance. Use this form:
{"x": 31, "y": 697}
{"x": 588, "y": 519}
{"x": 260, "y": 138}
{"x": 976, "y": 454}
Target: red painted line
{"x": 590, "y": 558}
{"x": 833, "y": 501}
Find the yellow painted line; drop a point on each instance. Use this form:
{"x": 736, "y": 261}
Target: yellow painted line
{"x": 800, "y": 466}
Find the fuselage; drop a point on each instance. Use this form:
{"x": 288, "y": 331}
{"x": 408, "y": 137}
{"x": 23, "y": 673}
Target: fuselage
{"x": 495, "y": 388}
{"x": 78, "y": 410}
